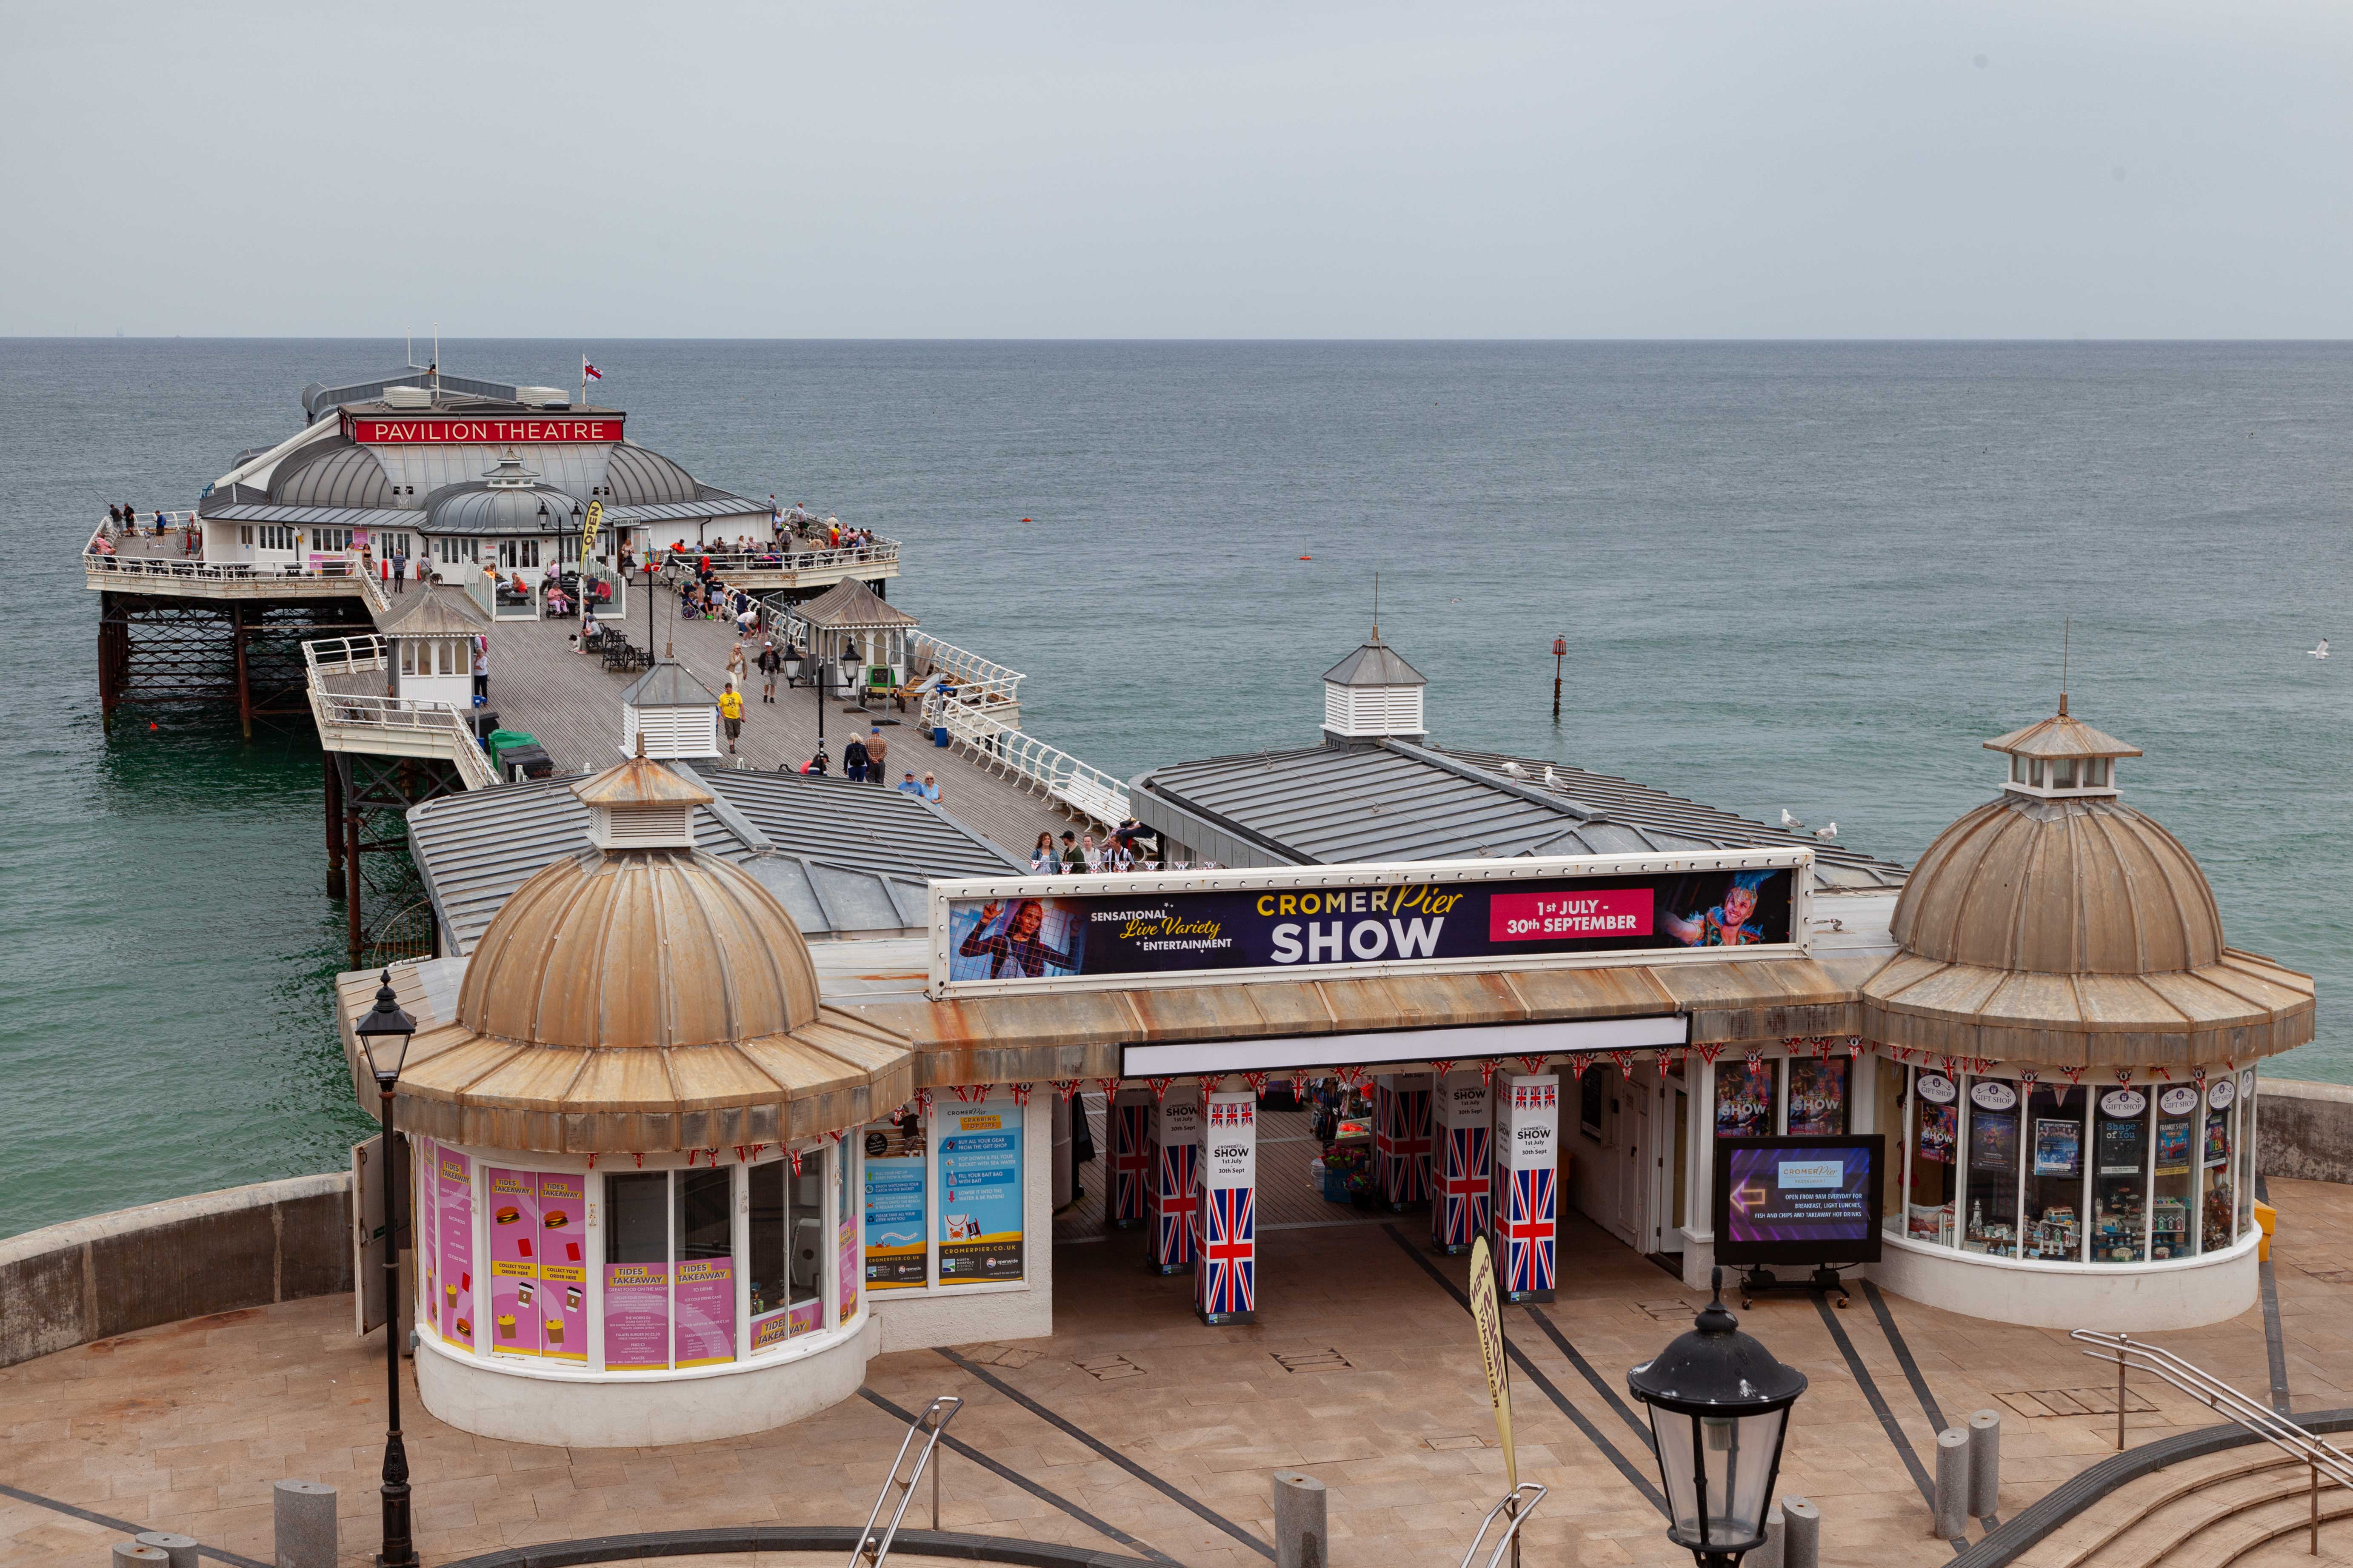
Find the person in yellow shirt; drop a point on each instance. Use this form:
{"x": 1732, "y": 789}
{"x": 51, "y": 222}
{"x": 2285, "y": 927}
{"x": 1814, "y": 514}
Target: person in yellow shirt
{"x": 731, "y": 709}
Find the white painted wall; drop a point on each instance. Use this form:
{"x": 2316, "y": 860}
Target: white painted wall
{"x": 912, "y": 1321}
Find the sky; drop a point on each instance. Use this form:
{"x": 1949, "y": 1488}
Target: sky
{"x": 1884, "y": 168}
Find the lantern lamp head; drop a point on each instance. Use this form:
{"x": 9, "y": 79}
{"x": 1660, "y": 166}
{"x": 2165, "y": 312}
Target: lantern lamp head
{"x": 384, "y": 1033}
{"x": 1719, "y": 1404}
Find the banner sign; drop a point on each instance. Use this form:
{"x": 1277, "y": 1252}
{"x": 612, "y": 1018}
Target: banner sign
{"x": 1038, "y": 931}
{"x": 1487, "y": 1324}
{"x": 980, "y": 1214}
{"x": 370, "y": 430}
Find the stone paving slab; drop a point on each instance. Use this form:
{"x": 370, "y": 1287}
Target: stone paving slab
{"x": 185, "y": 1427}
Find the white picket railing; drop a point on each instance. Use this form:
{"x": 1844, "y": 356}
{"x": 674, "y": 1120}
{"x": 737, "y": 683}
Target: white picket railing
{"x": 678, "y": 563}
{"x": 1007, "y": 751}
{"x": 978, "y": 682}
{"x": 368, "y": 721}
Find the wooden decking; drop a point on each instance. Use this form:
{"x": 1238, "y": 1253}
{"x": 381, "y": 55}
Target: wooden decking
{"x": 571, "y": 706}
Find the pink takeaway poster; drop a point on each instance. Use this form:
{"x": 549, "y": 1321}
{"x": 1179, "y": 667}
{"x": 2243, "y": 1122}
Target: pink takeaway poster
{"x": 514, "y": 1197}
{"x": 706, "y": 1312}
{"x": 424, "y": 1229}
{"x": 562, "y": 1266}
{"x": 637, "y": 1316}
{"x": 454, "y": 1208}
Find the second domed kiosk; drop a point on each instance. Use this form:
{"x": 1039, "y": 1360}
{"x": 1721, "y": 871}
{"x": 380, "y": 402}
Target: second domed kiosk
{"x": 2068, "y": 1088}
{"x": 635, "y": 1199}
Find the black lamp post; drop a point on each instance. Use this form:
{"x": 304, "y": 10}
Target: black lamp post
{"x": 1719, "y": 1406}
{"x": 384, "y": 1034}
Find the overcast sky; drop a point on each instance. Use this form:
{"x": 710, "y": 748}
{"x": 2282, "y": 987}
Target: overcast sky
{"x": 1733, "y": 169}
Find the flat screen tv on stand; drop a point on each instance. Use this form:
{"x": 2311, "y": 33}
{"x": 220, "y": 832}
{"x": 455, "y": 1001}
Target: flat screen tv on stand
{"x": 1797, "y": 1200}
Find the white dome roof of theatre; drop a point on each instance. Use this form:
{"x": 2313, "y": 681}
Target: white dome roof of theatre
{"x": 336, "y": 472}
{"x": 635, "y": 476}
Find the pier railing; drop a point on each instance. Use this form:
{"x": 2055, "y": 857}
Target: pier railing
{"x": 1005, "y": 750}
{"x": 393, "y": 726}
{"x": 980, "y": 683}
{"x": 678, "y": 565}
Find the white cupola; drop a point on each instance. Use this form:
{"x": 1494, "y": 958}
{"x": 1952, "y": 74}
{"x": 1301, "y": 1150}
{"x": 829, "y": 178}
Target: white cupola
{"x": 666, "y": 713}
{"x": 2060, "y": 758}
{"x": 642, "y": 804}
{"x": 1371, "y": 694}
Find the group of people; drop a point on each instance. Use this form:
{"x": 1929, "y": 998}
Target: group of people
{"x": 1130, "y": 846}
{"x": 867, "y": 760}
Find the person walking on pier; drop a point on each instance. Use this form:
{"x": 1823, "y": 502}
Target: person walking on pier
{"x": 738, "y": 668}
{"x": 400, "y": 569}
{"x": 769, "y": 664}
{"x": 730, "y": 710}
{"x": 853, "y": 761}
{"x": 878, "y": 757}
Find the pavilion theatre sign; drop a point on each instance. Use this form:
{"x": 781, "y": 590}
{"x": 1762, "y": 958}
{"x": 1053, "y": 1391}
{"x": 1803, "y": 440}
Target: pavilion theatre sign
{"x": 1045, "y": 934}
{"x": 371, "y": 430}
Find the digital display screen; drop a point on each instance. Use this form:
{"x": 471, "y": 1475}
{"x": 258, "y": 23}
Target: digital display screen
{"x": 1798, "y": 1199}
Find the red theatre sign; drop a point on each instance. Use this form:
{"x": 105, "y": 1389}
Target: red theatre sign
{"x": 369, "y": 430}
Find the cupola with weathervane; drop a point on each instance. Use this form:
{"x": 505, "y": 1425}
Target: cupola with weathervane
{"x": 2060, "y": 758}
{"x": 642, "y": 804}
{"x": 1371, "y": 694}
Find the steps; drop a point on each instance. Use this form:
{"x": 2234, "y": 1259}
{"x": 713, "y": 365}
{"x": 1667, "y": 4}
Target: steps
{"x": 2240, "y": 1509}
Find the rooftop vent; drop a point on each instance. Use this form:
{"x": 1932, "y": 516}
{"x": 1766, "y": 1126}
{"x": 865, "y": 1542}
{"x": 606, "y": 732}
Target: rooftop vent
{"x": 2060, "y": 758}
{"x": 407, "y": 397}
{"x": 1371, "y": 693}
{"x": 544, "y": 397}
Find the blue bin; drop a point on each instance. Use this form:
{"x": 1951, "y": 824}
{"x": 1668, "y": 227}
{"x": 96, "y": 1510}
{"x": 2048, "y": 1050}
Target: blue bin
{"x": 939, "y": 734}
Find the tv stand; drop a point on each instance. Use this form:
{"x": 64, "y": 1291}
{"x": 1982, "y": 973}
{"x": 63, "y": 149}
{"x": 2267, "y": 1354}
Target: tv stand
{"x": 1825, "y": 1278}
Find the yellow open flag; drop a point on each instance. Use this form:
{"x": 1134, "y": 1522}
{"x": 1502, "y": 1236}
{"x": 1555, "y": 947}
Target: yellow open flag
{"x": 1487, "y": 1317}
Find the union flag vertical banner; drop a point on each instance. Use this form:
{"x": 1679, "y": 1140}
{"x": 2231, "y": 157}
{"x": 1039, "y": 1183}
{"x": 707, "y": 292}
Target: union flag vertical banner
{"x": 1461, "y": 1165}
{"x": 1401, "y": 1138}
{"x": 1176, "y": 1128}
{"x": 1128, "y": 1130}
{"x": 1225, "y": 1268}
{"x": 1527, "y": 1161}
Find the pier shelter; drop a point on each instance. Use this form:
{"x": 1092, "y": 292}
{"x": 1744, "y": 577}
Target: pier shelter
{"x": 681, "y": 1175}
{"x": 857, "y": 639}
{"x": 432, "y": 642}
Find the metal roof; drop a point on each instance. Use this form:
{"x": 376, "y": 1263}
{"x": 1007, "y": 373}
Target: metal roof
{"x": 480, "y": 508}
{"x": 637, "y": 476}
{"x": 1397, "y": 801}
{"x": 442, "y": 614}
{"x": 668, "y": 685}
{"x": 317, "y": 397}
{"x": 852, "y": 605}
{"x": 714, "y": 503}
{"x": 332, "y": 473}
{"x": 319, "y": 516}
{"x": 843, "y": 858}
{"x": 1374, "y": 664}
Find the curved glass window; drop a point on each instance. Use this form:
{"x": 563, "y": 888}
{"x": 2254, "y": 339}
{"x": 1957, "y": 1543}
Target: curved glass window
{"x": 1932, "y": 1146}
{"x": 2120, "y": 1161}
{"x": 1993, "y": 1168}
{"x": 2174, "y": 1184}
{"x": 2054, "y": 1174}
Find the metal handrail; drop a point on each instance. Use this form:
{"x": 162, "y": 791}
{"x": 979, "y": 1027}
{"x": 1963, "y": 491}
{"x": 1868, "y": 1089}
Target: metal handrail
{"x": 1084, "y": 788}
{"x": 929, "y": 1425}
{"x": 222, "y": 571}
{"x": 722, "y": 563}
{"x": 335, "y": 712}
{"x": 2123, "y": 1350}
{"x": 1514, "y": 1518}
{"x": 344, "y": 656}
{"x": 977, "y": 680}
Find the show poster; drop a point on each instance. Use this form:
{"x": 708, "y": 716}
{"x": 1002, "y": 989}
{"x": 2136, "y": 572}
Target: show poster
{"x": 979, "y": 1228}
{"x": 705, "y": 1307}
{"x": 2058, "y": 1147}
{"x": 1817, "y": 1095}
{"x": 896, "y": 1181}
{"x": 1817, "y": 1195}
{"x": 2173, "y": 1148}
{"x": 1993, "y": 1140}
{"x": 2218, "y": 1139}
{"x": 1057, "y": 937}
{"x": 514, "y": 1263}
{"x": 562, "y": 1266}
{"x": 454, "y": 1205}
{"x": 1937, "y": 1126}
{"x": 1744, "y": 1099}
{"x": 637, "y": 1316}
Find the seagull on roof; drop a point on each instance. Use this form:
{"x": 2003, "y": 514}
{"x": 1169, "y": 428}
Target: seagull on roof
{"x": 2320, "y": 652}
{"x": 1552, "y": 781}
{"x": 1790, "y": 824}
{"x": 1516, "y": 770}
{"x": 1826, "y": 833}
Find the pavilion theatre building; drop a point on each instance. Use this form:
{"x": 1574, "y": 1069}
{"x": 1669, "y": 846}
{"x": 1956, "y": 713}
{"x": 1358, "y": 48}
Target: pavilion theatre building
{"x": 679, "y": 1172}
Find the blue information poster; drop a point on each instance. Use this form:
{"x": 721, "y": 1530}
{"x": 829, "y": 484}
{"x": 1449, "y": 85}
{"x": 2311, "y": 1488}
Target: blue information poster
{"x": 895, "y": 1179}
{"x": 979, "y": 1227}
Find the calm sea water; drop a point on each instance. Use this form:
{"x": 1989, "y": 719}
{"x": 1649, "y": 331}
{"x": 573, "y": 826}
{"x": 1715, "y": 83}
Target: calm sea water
{"x": 1801, "y": 575}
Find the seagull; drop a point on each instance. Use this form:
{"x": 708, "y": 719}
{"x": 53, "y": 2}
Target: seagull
{"x": 1790, "y": 824}
{"x": 1826, "y": 833}
{"x": 1516, "y": 770}
{"x": 2320, "y": 652}
{"x": 1551, "y": 780}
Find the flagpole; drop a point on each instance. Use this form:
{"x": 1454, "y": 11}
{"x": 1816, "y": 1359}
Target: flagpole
{"x": 583, "y": 381}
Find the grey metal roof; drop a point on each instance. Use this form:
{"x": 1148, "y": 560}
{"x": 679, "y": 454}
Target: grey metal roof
{"x": 843, "y": 858}
{"x": 1397, "y": 801}
{"x": 480, "y": 508}
{"x": 319, "y": 516}
{"x": 668, "y": 685}
{"x": 852, "y": 605}
{"x": 637, "y": 476}
{"x": 436, "y": 614}
{"x": 1374, "y": 664}
{"x": 318, "y": 397}
{"x": 714, "y": 502}
{"x": 334, "y": 472}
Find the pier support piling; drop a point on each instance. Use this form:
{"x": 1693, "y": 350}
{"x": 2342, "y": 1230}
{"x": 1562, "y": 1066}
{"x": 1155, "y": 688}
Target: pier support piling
{"x": 334, "y": 827}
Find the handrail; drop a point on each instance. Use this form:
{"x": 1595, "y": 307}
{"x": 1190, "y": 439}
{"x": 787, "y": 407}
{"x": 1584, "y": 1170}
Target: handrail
{"x": 978, "y": 680}
{"x": 723, "y": 561}
{"x": 929, "y": 1425}
{"x": 2122, "y": 1351}
{"x": 1515, "y": 1514}
{"x": 335, "y": 712}
{"x": 221, "y": 571}
{"x": 1085, "y": 789}
{"x": 344, "y": 656}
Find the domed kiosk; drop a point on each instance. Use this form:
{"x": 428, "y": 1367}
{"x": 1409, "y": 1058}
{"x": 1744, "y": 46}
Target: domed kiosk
{"x": 2069, "y": 1095}
{"x": 634, "y": 1197}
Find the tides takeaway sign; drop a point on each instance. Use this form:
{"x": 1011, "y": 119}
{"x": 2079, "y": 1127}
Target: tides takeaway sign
{"x": 1177, "y": 928}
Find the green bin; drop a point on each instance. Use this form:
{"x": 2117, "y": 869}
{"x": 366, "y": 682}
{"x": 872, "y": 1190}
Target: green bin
{"x": 504, "y": 740}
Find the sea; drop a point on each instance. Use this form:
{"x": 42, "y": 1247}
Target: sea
{"x": 1802, "y": 576}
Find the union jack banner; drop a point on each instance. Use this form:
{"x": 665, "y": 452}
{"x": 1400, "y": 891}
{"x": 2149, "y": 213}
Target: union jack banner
{"x": 1854, "y": 1046}
{"x": 1487, "y": 1073}
{"x": 1441, "y": 1065}
{"x": 1459, "y": 1210}
{"x": 1211, "y": 1083}
{"x": 970, "y": 1093}
{"x": 1172, "y": 1237}
{"x": 2124, "y": 1075}
{"x": 1257, "y": 1081}
{"x": 1021, "y": 1094}
{"x": 1226, "y": 1275}
{"x": 1160, "y": 1086}
{"x": 1107, "y": 1087}
{"x": 1299, "y": 1086}
{"x": 1401, "y": 1144}
{"x": 1067, "y": 1088}
{"x": 2198, "y": 1074}
{"x": 1709, "y": 1052}
{"x": 1532, "y": 1064}
{"x": 1529, "y": 1227}
{"x": 1131, "y": 1164}
{"x": 923, "y": 1102}
{"x": 1625, "y": 1060}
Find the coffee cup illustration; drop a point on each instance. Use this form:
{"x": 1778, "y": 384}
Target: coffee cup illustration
{"x": 572, "y": 1297}
{"x": 453, "y": 1294}
{"x": 523, "y": 1293}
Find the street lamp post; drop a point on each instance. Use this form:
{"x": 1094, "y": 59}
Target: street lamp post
{"x": 1559, "y": 652}
{"x": 1719, "y": 1405}
{"x": 384, "y": 1034}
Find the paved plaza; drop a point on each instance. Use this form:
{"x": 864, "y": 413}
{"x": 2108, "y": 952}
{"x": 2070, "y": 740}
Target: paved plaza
{"x": 1135, "y": 1430}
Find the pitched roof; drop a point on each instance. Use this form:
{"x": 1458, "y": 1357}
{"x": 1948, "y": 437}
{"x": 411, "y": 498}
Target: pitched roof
{"x": 668, "y": 685}
{"x": 639, "y": 782}
{"x": 1374, "y": 664}
{"x": 852, "y": 605}
{"x": 2062, "y": 736}
{"x": 443, "y": 615}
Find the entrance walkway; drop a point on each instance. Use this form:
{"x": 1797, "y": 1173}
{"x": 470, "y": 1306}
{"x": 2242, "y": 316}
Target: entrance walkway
{"x": 1136, "y": 1419}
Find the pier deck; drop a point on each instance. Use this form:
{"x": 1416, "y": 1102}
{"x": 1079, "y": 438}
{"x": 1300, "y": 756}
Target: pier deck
{"x": 572, "y": 705}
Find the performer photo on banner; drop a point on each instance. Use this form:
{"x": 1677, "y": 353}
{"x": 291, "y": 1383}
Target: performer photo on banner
{"x": 1021, "y": 939}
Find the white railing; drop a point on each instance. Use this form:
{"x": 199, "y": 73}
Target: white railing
{"x": 978, "y": 682}
{"x": 344, "y": 655}
{"x": 243, "y": 572}
{"x": 364, "y": 719}
{"x": 680, "y": 563}
{"x": 1005, "y": 750}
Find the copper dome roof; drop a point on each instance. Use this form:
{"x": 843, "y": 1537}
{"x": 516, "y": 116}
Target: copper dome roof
{"x": 2060, "y": 887}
